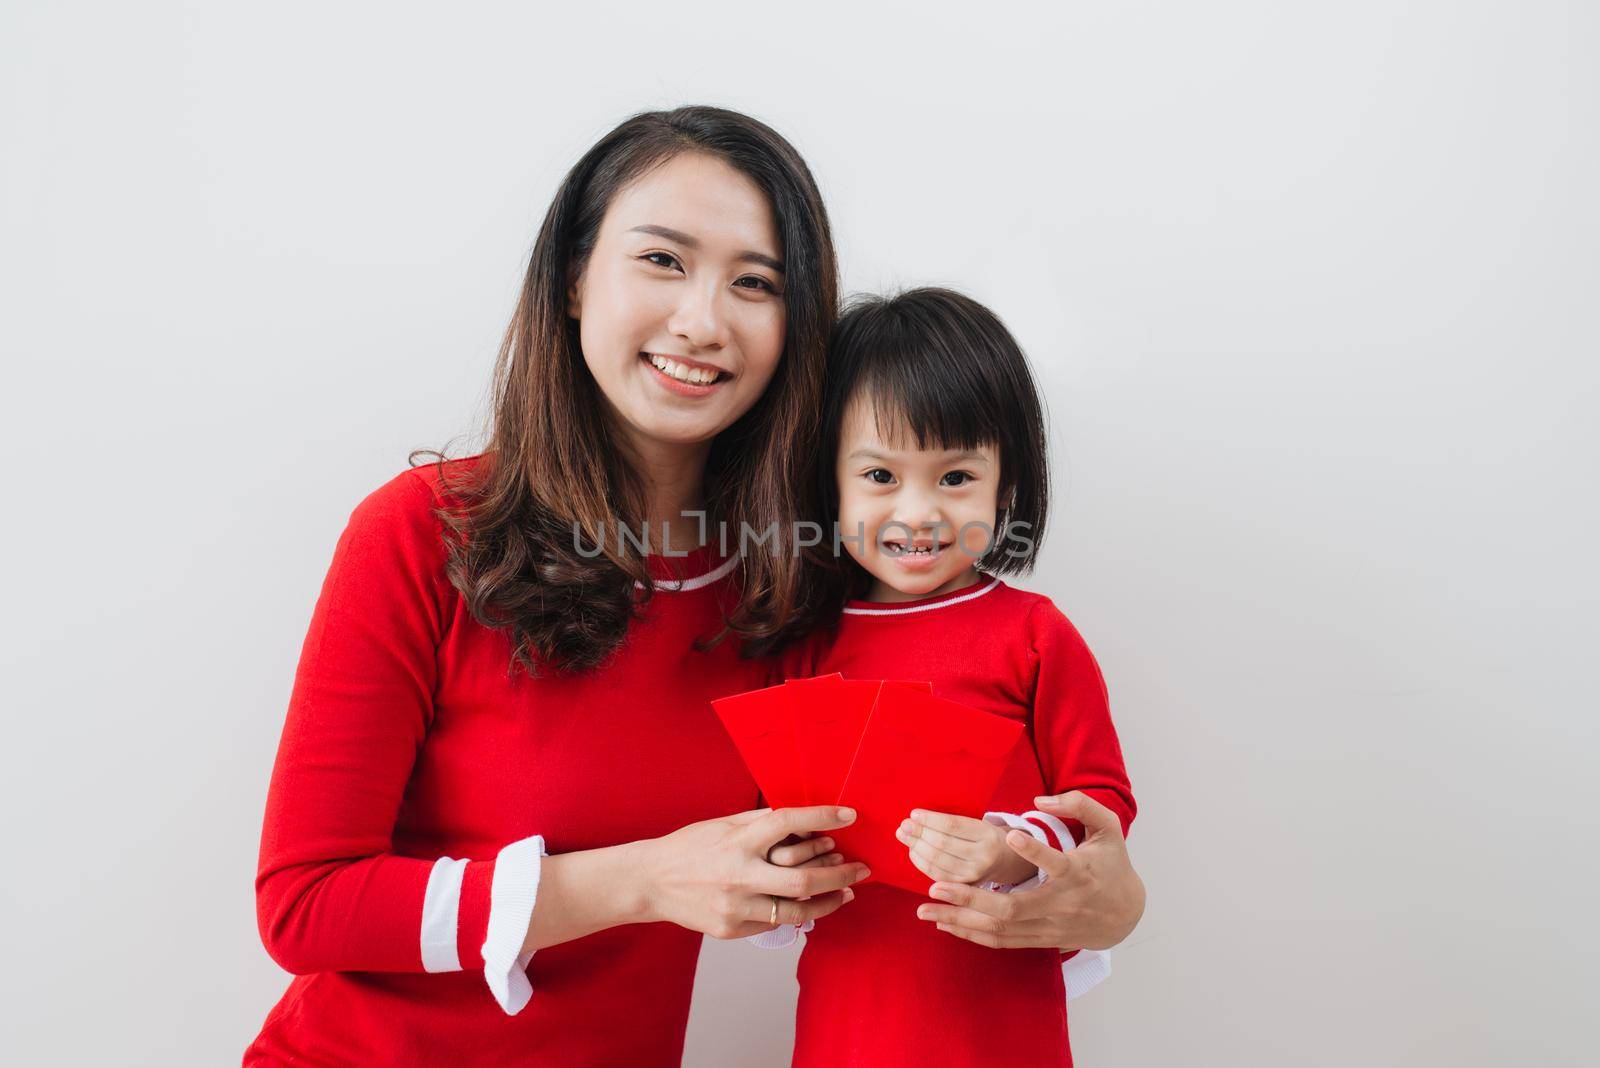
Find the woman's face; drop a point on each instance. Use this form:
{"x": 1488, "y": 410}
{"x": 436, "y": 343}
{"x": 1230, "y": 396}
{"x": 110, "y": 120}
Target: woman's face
{"x": 680, "y": 306}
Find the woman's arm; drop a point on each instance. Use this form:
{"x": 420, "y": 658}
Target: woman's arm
{"x": 1090, "y": 897}
{"x": 332, "y": 895}
{"x": 712, "y": 877}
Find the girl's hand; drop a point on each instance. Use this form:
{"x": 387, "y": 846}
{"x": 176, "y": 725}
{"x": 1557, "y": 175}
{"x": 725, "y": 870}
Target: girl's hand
{"x": 1092, "y": 900}
{"x": 714, "y": 876}
{"x": 958, "y": 849}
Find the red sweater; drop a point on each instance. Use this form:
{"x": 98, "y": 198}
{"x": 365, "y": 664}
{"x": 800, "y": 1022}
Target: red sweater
{"x": 411, "y": 758}
{"x": 880, "y": 987}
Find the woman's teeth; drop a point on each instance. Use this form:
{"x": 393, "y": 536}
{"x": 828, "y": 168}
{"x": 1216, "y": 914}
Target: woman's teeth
{"x": 695, "y": 376}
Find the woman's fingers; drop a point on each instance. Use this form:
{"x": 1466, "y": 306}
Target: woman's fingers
{"x": 806, "y": 881}
{"x": 758, "y": 914}
{"x": 1035, "y": 852}
{"x": 767, "y": 830}
{"x": 1077, "y": 805}
{"x": 1009, "y": 941}
{"x": 827, "y": 860}
{"x": 795, "y": 854}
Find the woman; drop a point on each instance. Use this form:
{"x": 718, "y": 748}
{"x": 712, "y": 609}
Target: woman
{"x": 498, "y": 823}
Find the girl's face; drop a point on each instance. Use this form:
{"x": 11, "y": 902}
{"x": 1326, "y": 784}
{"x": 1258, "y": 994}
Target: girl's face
{"x": 925, "y": 516}
{"x": 680, "y": 305}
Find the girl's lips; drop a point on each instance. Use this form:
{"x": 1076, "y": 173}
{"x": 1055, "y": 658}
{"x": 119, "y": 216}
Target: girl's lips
{"x": 911, "y": 561}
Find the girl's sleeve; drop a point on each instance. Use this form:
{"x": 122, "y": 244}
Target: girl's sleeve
{"x": 1078, "y": 749}
{"x": 1073, "y": 734}
{"x": 331, "y": 894}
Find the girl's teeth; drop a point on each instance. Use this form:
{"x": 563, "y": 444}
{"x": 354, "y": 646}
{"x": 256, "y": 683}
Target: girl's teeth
{"x": 695, "y": 376}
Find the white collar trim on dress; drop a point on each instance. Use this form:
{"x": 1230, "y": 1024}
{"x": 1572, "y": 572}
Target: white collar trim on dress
{"x": 695, "y": 583}
{"x": 887, "y": 611}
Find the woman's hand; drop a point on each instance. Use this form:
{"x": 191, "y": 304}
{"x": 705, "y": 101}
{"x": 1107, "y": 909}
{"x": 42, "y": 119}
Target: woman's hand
{"x": 959, "y": 849}
{"x": 1092, "y": 900}
{"x": 715, "y": 876}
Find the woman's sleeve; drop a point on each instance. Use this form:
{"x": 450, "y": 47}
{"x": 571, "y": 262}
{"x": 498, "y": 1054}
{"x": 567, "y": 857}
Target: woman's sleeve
{"x": 331, "y": 894}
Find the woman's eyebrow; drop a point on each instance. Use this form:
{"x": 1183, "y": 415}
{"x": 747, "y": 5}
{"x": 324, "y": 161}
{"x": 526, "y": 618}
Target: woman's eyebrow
{"x": 687, "y": 241}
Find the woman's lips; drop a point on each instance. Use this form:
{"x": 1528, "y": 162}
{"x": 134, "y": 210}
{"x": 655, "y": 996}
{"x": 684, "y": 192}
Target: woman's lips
{"x": 680, "y": 387}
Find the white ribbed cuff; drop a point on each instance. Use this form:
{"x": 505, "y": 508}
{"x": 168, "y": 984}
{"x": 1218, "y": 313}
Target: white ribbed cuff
{"x": 1011, "y": 819}
{"x": 512, "y": 893}
{"x": 441, "y": 913}
{"x": 1088, "y": 968}
{"x": 780, "y": 937}
{"x": 1064, "y": 840}
{"x": 1085, "y": 970}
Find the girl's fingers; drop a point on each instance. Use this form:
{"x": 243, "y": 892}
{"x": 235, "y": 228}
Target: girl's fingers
{"x": 936, "y": 863}
{"x": 955, "y": 826}
{"x": 938, "y": 839}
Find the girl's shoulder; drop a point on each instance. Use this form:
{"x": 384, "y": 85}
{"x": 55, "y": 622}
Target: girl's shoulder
{"x": 1046, "y": 626}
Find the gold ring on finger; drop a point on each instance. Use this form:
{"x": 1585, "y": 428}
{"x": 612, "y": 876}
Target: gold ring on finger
{"x": 772, "y": 921}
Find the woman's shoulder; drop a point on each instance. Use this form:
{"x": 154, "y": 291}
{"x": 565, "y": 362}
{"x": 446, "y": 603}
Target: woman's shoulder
{"x": 405, "y": 508}
{"x": 420, "y": 487}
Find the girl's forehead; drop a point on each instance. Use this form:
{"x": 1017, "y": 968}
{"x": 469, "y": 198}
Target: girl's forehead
{"x": 874, "y": 430}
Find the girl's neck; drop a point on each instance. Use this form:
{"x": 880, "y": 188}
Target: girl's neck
{"x": 884, "y": 593}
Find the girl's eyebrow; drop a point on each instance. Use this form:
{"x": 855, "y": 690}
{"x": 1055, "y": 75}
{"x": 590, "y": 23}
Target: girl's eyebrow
{"x": 687, "y": 241}
{"x": 969, "y": 455}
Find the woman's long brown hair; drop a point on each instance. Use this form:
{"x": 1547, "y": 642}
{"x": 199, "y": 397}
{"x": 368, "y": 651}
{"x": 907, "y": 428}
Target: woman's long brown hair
{"x": 553, "y": 466}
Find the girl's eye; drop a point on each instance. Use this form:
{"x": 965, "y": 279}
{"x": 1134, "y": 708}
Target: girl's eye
{"x": 872, "y": 476}
{"x": 961, "y": 477}
{"x": 755, "y": 281}
{"x": 662, "y": 259}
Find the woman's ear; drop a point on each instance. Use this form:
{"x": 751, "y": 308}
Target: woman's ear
{"x": 575, "y": 297}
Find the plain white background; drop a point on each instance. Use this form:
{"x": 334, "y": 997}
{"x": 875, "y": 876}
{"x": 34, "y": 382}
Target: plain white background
{"x": 1311, "y": 288}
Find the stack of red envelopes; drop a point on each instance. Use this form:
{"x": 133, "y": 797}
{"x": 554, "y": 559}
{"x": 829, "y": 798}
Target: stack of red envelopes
{"x": 882, "y": 748}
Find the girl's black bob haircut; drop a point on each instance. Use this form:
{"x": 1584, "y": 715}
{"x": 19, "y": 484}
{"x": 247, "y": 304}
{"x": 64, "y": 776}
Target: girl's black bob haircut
{"x": 945, "y": 366}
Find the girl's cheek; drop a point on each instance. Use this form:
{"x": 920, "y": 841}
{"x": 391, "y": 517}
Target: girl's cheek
{"x": 975, "y": 540}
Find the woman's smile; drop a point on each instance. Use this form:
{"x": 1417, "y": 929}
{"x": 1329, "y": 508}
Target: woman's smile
{"x": 685, "y": 377}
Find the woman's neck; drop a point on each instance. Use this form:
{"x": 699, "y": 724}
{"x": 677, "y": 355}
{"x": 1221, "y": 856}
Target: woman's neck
{"x": 674, "y": 483}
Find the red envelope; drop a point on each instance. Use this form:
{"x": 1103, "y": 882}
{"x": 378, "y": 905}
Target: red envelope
{"x": 830, "y": 714}
{"x": 762, "y": 727}
{"x": 918, "y": 751}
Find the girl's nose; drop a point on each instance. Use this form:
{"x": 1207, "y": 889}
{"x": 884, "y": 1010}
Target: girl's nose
{"x": 700, "y": 318}
{"x": 919, "y": 512}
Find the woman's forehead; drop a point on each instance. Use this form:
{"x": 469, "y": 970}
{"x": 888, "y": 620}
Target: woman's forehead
{"x": 698, "y": 197}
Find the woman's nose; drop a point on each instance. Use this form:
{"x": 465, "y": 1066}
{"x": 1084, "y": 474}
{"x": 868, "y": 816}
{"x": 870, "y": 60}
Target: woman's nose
{"x": 700, "y": 318}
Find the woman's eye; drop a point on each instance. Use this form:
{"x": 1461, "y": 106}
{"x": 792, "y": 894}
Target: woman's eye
{"x": 961, "y": 478}
{"x": 873, "y": 476}
{"x": 661, "y": 259}
{"x": 755, "y": 281}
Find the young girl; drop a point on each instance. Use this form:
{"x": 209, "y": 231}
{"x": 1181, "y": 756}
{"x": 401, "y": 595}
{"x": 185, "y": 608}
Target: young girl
{"x": 939, "y": 487}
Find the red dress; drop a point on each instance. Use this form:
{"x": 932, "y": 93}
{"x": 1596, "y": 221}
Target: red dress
{"x": 880, "y": 987}
{"x": 417, "y": 784}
